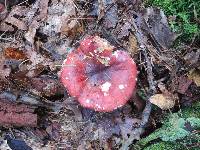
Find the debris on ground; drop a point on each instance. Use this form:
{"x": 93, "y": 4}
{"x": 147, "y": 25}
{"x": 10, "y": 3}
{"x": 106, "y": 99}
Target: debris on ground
{"x": 15, "y": 115}
{"x": 40, "y": 38}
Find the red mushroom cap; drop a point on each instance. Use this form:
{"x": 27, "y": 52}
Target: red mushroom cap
{"x": 99, "y": 78}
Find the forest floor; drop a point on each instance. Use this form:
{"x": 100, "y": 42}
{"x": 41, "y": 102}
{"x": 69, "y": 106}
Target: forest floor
{"x": 36, "y": 112}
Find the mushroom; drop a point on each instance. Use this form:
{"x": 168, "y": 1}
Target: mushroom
{"x": 99, "y": 77}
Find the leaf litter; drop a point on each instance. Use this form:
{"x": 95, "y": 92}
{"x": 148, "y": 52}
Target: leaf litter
{"x": 36, "y": 36}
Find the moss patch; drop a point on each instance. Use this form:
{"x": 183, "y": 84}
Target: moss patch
{"x": 184, "y": 16}
{"x": 178, "y": 130}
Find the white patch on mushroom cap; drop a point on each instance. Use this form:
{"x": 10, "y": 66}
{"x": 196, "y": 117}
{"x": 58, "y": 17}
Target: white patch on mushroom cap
{"x": 91, "y": 54}
{"x": 121, "y": 86}
{"x": 98, "y": 106}
{"x": 87, "y": 101}
{"x": 118, "y": 107}
{"x": 115, "y": 54}
{"x": 64, "y": 61}
{"x": 105, "y": 94}
{"x": 105, "y": 87}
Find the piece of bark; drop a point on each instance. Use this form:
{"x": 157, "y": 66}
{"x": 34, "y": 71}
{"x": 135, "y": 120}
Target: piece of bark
{"x": 18, "y": 115}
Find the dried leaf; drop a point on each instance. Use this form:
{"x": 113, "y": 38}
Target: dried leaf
{"x": 106, "y": 10}
{"x": 125, "y": 30}
{"x": 156, "y": 25}
{"x": 57, "y": 47}
{"x": 54, "y": 131}
{"x": 43, "y": 7}
{"x": 127, "y": 126}
{"x": 35, "y": 24}
{"x": 36, "y": 59}
{"x": 3, "y": 11}
{"x": 106, "y": 128}
{"x": 17, "y": 115}
{"x": 29, "y": 99}
{"x": 46, "y": 86}
{"x": 162, "y": 101}
{"x": 14, "y": 53}
{"x": 101, "y": 9}
{"x": 4, "y": 71}
{"x": 58, "y": 18}
{"x": 73, "y": 29}
{"x": 4, "y": 145}
{"x": 8, "y": 96}
{"x": 16, "y": 22}
{"x": 111, "y": 17}
{"x": 133, "y": 45}
{"x": 195, "y": 76}
{"x": 6, "y": 27}
{"x": 30, "y": 35}
{"x": 20, "y": 79}
{"x": 192, "y": 57}
{"x": 19, "y": 23}
{"x": 183, "y": 84}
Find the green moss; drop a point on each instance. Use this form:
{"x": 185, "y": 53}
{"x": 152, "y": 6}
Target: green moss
{"x": 164, "y": 146}
{"x": 185, "y": 14}
{"x": 178, "y": 130}
{"x": 192, "y": 111}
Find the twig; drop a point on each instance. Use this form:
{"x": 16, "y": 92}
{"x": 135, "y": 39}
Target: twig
{"x": 150, "y": 77}
{"x": 152, "y": 88}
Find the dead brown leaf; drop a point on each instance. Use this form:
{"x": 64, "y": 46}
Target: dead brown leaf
{"x": 192, "y": 57}
{"x": 30, "y": 35}
{"x": 124, "y": 32}
{"x": 3, "y": 11}
{"x": 183, "y": 84}
{"x": 195, "y": 76}
{"x": 43, "y": 7}
{"x": 46, "y": 86}
{"x": 4, "y": 70}
{"x": 133, "y": 45}
{"x": 16, "y": 22}
{"x": 156, "y": 24}
{"x": 162, "y": 101}
{"x": 58, "y": 18}
{"x": 13, "y": 53}
{"x": 166, "y": 100}
{"x": 36, "y": 59}
{"x": 35, "y": 21}
{"x": 19, "y": 23}
{"x": 6, "y": 27}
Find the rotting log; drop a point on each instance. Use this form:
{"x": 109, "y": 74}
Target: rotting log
{"x": 17, "y": 115}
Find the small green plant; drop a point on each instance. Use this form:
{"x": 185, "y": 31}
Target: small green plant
{"x": 164, "y": 146}
{"x": 184, "y": 16}
{"x": 177, "y": 132}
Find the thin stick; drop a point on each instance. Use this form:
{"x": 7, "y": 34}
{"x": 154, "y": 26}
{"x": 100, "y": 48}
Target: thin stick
{"x": 152, "y": 89}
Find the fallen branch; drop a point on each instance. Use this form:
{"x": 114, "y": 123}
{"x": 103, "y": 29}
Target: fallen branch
{"x": 18, "y": 115}
{"x": 152, "y": 88}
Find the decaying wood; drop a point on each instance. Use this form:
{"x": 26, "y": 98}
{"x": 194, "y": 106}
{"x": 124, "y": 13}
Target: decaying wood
{"x": 18, "y": 115}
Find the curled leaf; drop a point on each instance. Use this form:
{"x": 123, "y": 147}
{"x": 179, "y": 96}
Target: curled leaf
{"x": 162, "y": 101}
{"x": 195, "y": 76}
